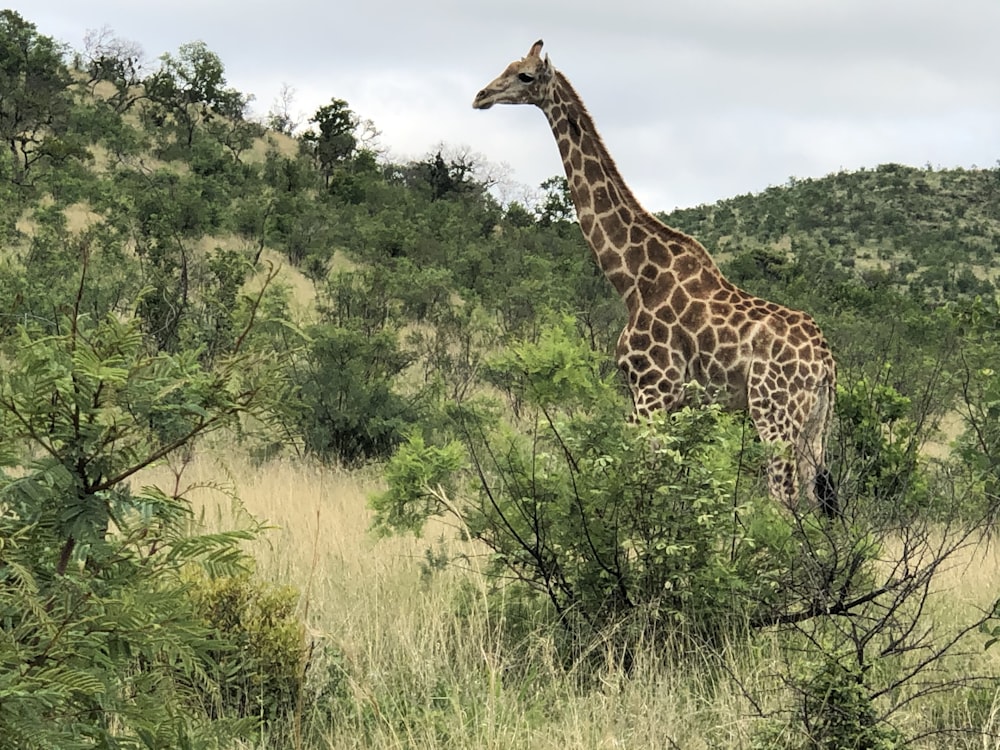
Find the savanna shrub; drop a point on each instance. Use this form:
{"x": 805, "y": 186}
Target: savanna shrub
{"x": 260, "y": 671}
{"x": 879, "y": 443}
{"x": 636, "y": 528}
{"x": 834, "y": 712}
{"x": 349, "y": 409}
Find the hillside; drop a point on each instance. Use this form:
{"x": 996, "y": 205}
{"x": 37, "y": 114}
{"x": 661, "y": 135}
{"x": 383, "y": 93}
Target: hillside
{"x": 462, "y": 541}
{"x": 934, "y": 233}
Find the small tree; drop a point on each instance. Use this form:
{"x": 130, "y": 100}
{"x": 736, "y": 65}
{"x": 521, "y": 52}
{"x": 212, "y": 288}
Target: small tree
{"x": 34, "y": 96}
{"x": 625, "y": 530}
{"x": 191, "y": 88}
{"x": 335, "y": 142}
{"x": 100, "y": 642}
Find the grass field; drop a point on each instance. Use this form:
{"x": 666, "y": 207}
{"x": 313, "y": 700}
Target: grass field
{"x": 424, "y": 663}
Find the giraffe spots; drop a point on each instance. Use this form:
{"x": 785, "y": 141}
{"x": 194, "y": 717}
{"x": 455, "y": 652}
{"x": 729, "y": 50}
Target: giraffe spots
{"x": 726, "y": 356}
{"x": 586, "y": 223}
{"x": 602, "y": 200}
{"x": 636, "y": 234}
{"x": 593, "y": 173}
{"x": 643, "y": 321}
{"x": 679, "y": 299}
{"x": 639, "y": 363}
{"x": 609, "y": 261}
{"x": 660, "y": 331}
{"x": 650, "y": 378}
{"x": 661, "y": 356}
{"x": 649, "y": 271}
{"x": 616, "y": 230}
{"x": 620, "y": 280}
{"x": 613, "y": 194}
{"x": 576, "y": 159}
{"x": 695, "y": 316}
{"x": 701, "y": 284}
{"x": 640, "y": 341}
{"x": 658, "y": 253}
{"x": 635, "y": 256}
{"x": 727, "y": 335}
{"x": 780, "y": 352}
{"x": 596, "y": 236}
{"x": 706, "y": 339}
{"x": 796, "y": 336}
{"x": 746, "y": 328}
{"x": 685, "y": 265}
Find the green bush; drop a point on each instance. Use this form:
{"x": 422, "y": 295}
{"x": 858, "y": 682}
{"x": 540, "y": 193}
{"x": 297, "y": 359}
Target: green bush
{"x": 100, "y": 645}
{"x": 350, "y": 407}
{"x": 263, "y": 653}
{"x": 635, "y": 529}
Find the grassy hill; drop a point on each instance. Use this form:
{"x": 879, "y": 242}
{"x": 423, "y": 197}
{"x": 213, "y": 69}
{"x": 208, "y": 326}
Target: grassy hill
{"x": 207, "y": 323}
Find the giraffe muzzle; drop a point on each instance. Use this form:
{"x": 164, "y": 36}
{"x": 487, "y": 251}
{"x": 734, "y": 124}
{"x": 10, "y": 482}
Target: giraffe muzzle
{"x": 482, "y": 100}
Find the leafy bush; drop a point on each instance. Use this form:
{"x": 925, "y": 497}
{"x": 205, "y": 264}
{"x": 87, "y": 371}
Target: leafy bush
{"x": 350, "y": 408}
{"x": 880, "y": 442}
{"x": 263, "y": 653}
{"x": 640, "y": 528}
{"x": 99, "y": 643}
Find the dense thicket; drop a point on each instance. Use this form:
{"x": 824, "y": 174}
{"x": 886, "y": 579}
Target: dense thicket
{"x": 141, "y": 207}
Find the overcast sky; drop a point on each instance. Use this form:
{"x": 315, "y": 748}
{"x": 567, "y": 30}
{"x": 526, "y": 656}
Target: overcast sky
{"x": 697, "y": 100}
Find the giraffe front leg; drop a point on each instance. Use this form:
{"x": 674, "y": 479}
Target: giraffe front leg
{"x": 652, "y": 388}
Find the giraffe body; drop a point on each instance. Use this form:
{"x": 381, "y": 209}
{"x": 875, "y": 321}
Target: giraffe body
{"x": 686, "y": 321}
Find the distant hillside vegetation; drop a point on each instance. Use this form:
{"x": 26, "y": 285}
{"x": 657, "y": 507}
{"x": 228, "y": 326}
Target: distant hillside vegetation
{"x": 932, "y": 232}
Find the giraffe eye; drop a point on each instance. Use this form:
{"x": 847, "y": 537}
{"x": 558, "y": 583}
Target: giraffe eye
{"x": 525, "y": 77}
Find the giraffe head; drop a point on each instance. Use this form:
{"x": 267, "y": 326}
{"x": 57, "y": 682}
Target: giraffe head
{"x": 525, "y": 81}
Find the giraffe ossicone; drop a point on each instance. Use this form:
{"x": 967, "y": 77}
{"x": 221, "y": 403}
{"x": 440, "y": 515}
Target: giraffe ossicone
{"x": 686, "y": 321}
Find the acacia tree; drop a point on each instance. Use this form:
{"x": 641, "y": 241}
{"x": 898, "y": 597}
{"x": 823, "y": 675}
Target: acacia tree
{"x": 118, "y": 61}
{"x": 191, "y": 89}
{"x": 335, "y": 142}
{"x": 100, "y": 643}
{"x": 34, "y": 95}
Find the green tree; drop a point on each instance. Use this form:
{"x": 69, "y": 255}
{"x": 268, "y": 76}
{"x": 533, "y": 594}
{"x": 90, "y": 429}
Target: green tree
{"x": 34, "y": 96}
{"x": 190, "y": 88}
{"x": 335, "y": 141}
{"x": 101, "y": 644}
{"x": 557, "y": 204}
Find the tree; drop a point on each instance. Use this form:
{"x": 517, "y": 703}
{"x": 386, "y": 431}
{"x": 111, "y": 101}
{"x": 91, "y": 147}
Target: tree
{"x": 115, "y": 60}
{"x": 280, "y": 117}
{"x": 557, "y": 204}
{"x": 34, "y": 95}
{"x": 191, "y": 88}
{"x": 102, "y": 645}
{"x": 335, "y": 142}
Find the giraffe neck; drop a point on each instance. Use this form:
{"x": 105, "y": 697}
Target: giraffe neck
{"x": 613, "y": 221}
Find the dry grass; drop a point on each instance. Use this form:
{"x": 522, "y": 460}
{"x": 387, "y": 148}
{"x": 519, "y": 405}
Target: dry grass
{"x": 417, "y": 673}
{"x": 420, "y": 675}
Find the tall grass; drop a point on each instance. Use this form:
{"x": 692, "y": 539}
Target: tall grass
{"x": 422, "y": 660}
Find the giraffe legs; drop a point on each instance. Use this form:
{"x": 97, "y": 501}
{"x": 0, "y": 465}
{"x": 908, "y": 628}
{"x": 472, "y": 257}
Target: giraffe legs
{"x": 797, "y": 429}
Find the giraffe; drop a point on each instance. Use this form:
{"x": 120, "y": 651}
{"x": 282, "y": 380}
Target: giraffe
{"x": 686, "y": 321}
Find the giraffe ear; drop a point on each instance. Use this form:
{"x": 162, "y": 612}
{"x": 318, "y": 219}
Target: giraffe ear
{"x": 536, "y": 49}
